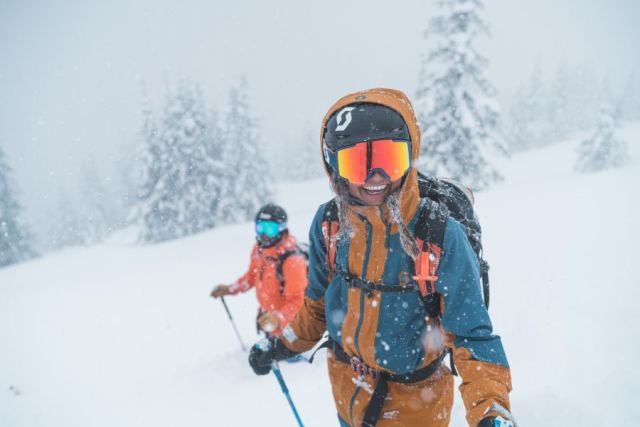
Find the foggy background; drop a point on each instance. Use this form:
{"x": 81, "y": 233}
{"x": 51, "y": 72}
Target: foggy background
{"x": 73, "y": 73}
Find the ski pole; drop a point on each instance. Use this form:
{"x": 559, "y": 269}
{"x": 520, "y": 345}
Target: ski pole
{"x": 285, "y": 390}
{"x": 234, "y": 324}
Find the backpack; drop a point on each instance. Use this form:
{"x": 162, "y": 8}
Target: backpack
{"x": 443, "y": 198}
{"x": 300, "y": 249}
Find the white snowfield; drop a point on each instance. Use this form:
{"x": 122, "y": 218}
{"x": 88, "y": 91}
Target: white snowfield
{"x": 126, "y": 335}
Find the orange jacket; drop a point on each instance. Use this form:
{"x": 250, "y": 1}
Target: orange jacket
{"x": 262, "y": 274}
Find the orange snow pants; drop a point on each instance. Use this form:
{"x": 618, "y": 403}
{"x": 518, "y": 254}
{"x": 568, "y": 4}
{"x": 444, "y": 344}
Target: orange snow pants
{"x": 426, "y": 403}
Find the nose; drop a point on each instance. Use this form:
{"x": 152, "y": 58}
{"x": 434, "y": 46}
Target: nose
{"x": 376, "y": 178}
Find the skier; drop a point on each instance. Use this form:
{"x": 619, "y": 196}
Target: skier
{"x": 370, "y": 282}
{"x": 278, "y": 271}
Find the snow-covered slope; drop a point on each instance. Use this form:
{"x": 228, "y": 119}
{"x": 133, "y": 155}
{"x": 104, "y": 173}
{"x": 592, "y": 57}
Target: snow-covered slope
{"x": 122, "y": 335}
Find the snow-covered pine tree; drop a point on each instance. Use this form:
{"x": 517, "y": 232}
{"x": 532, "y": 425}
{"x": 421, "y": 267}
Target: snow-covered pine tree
{"x": 455, "y": 101}
{"x": 304, "y": 148}
{"x": 215, "y": 183}
{"x": 630, "y": 99}
{"x": 559, "y": 105}
{"x": 179, "y": 178}
{"x": 15, "y": 237}
{"x": 585, "y": 99}
{"x": 603, "y": 149}
{"x": 65, "y": 227}
{"x": 248, "y": 178}
{"x": 527, "y": 122}
{"x": 95, "y": 216}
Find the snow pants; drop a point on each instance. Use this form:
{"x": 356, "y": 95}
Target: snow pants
{"x": 426, "y": 403}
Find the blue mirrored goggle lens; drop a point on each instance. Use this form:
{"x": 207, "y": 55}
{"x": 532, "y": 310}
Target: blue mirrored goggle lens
{"x": 268, "y": 228}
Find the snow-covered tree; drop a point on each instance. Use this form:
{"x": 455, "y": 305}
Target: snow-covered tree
{"x": 559, "y": 108}
{"x": 15, "y": 237}
{"x": 181, "y": 181}
{"x": 527, "y": 125}
{"x": 455, "y": 101}
{"x": 96, "y": 217}
{"x": 248, "y": 180}
{"x": 586, "y": 93}
{"x": 603, "y": 149}
{"x": 65, "y": 224}
{"x": 299, "y": 158}
{"x": 630, "y": 99}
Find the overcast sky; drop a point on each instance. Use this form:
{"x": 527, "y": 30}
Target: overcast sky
{"x": 71, "y": 71}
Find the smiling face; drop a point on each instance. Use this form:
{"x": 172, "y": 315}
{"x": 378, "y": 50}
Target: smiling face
{"x": 375, "y": 190}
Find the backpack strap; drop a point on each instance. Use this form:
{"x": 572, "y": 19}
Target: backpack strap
{"x": 429, "y": 234}
{"x": 330, "y": 226}
{"x": 430, "y": 229}
{"x": 279, "y": 265}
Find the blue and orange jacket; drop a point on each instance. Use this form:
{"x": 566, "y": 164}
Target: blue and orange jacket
{"x": 387, "y": 330}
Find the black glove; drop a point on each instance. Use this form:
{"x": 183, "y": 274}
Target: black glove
{"x": 262, "y": 355}
{"x": 495, "y": 421}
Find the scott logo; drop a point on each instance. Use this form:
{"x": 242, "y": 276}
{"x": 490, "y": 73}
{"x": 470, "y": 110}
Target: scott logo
{"x": 342, "y": 125}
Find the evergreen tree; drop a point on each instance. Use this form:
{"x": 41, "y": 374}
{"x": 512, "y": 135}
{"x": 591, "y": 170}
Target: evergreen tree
{"x": 559, "y": 105}
{"x": 585, "y": 98}
{"x": 180, "y": 180}
{"x": 66, "y": 228}
{"x": 96, "y": 217}
{"x": 248, "y": 182}
{"x": 527, "y": 125}
{"x": 15, "y": 237}
{"x": 602, "y": 150}
{"x": 630, "y": 99}
{"x": 455, "y": 102}
{"x": 298, "y": 159}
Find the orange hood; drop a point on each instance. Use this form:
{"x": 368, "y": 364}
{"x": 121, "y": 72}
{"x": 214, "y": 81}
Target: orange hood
{"x": 398, "y": 101}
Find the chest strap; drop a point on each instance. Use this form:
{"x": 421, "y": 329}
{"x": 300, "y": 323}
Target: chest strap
{"x": 368, "y": 286}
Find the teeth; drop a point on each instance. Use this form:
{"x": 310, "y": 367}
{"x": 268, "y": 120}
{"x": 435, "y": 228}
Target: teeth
{"x": 375, "y": 187}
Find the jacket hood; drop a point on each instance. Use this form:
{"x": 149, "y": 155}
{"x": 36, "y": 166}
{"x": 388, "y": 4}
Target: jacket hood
{"x": 399, "y": 102}
{"x": 391, "y": 98}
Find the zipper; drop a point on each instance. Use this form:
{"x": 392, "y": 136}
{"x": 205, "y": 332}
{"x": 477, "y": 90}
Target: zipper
{"x": 356, "y": 338}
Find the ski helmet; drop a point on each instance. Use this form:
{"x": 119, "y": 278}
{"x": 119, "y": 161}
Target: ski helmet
{"x": 363, "y": 122}
{"x": 359, "y": 123}
{"x": 271, "y": 225}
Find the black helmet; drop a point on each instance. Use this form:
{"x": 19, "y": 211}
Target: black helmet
{"x": 271, "y": 225}
{"x": 363, "y": 122}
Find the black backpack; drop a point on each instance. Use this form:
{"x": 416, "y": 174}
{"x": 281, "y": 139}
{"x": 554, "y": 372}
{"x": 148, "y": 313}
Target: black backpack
{"x": 444, "y": 198}
{"x": 458, "y": 201}
{"x": 300, "y": 249}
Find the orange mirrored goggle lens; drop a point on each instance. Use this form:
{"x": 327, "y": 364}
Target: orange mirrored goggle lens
{"x": 352, "y": 163}
{"x": 391, "y": 157}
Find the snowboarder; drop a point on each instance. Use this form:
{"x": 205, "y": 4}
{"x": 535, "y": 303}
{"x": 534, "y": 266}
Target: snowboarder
{"x": 278, "y": 271}
{"x": 393, "y": 305}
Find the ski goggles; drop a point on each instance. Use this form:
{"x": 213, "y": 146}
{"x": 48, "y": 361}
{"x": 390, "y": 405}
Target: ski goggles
{"x": 269, "y": 228}
{"x": 357, "y": 162}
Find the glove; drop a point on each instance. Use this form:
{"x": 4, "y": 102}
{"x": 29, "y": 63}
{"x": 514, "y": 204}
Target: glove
{"x": 269, "y": 322}
{"x": 265, "y": 352}
{"x": 220, "y": 291}
{"x": 495, "y": 422}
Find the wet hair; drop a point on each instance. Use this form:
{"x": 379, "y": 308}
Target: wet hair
{"x": 343, "y": 202}
{"x": 407, "y": 239}
{"x": 341, "y": 190}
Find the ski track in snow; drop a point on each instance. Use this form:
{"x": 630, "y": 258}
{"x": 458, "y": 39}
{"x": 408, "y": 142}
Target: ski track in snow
{"x": 124, "y": 335}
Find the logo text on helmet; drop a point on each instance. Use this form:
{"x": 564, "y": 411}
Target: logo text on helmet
{"x": 343, "y": 125}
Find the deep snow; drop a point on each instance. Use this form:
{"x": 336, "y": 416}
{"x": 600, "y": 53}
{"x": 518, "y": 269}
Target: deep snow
{"x": 123, "y": 335}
